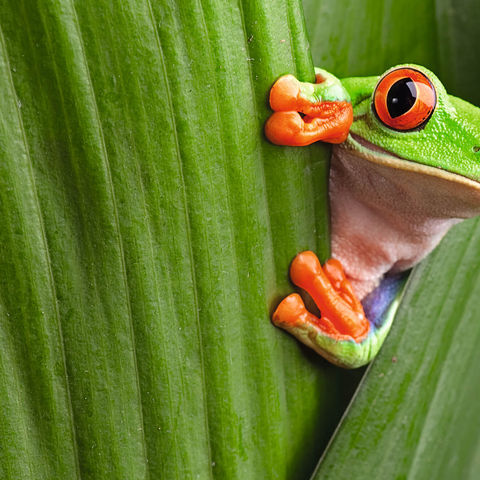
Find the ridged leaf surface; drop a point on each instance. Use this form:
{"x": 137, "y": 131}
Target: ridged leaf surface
{"x": 147, "y": 228}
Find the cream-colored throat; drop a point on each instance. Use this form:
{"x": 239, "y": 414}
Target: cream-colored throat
{"x": 388, "y": 213}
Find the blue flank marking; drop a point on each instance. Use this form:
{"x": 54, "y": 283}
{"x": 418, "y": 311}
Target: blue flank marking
{"x": 377, "y": 302}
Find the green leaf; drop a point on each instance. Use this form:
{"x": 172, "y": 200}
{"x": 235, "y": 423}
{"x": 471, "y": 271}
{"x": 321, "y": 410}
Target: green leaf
{"x": 415, "y": 413}
{"x": 147, "y": 232}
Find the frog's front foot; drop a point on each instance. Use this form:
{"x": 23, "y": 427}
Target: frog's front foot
{"x": 302, "y": 117}
{"x": 342, "y": 319}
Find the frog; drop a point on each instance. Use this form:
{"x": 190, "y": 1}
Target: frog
{"x": 404, "y": 169}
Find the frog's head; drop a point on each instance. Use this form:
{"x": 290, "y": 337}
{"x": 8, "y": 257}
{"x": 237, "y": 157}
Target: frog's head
{"x": 406, "y": 118}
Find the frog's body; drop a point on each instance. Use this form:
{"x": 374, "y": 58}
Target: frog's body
{"x": 397, "y": 184}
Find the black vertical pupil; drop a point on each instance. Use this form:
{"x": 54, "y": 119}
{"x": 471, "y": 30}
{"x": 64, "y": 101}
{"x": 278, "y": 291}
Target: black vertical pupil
{"x": 401, "y": 97}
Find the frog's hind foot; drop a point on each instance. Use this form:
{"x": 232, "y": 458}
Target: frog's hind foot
{"x": 292, "y": 316}
{"x": 342, "y": 316}
{"x": 342, "y": 334}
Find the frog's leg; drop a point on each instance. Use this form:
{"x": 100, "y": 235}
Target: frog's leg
{"x": 343, "y": 334}
{"x": 305, "y": 112}
{"x": 342, "y": 313}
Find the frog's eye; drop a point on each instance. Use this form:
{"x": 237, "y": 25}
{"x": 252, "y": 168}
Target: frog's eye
{"x": 404, "y": 99}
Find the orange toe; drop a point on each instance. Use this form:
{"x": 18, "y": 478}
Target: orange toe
{"x": 292, "y": 316}
{"x": 334, "y": 271}
{"x": 335, "y": 299}
{"x": 328, "y": 121}
{"x": 304, "y": 267}
{"x": 284, "y": 94}
{"x": 290, "y": 311}
{"x": 290, "y": 128}
{"x": 287, "y": 128}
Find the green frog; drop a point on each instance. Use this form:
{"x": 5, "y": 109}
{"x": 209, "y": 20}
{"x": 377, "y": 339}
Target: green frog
{"x": 405, "y": 168}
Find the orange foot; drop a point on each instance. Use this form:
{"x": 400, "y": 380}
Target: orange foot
{"x": 298, "y": 120}
{"x": 342, "y": 315}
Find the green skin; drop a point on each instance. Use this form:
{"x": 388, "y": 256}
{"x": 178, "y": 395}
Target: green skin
{"x": 450, "y": 141}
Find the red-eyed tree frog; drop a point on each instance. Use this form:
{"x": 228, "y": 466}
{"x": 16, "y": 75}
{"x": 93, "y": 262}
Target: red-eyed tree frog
{"x": 405, "y": 167}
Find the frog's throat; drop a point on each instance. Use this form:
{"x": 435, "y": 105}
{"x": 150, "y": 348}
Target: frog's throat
{"x": 378, "y": 155}
{"x": 387, "y": 213}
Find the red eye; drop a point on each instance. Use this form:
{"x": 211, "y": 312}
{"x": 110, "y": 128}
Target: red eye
{"x": 404, "y": 99}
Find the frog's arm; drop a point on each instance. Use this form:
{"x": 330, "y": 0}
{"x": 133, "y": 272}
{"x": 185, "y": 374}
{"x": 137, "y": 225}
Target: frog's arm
{"x": 343, "y": 334}
{"x": 308, "y": 112}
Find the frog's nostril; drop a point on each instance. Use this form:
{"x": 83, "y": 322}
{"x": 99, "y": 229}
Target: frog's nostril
{"x": 476, "y": 148}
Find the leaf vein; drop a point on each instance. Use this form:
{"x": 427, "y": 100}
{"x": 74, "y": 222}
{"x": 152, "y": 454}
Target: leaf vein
{"x": 187, "y": 221}
{"x": 117, "y": 223}
{"x": 47, "y": 253}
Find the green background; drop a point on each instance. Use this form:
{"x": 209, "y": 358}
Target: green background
{"x": 147, "y": 228}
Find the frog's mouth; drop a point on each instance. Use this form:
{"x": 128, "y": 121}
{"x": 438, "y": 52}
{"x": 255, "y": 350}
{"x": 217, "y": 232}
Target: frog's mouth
{"x": 379, "y": 156}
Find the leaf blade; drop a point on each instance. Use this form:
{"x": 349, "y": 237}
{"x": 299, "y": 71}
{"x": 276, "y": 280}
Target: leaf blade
{"x": 169, "y": 223}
